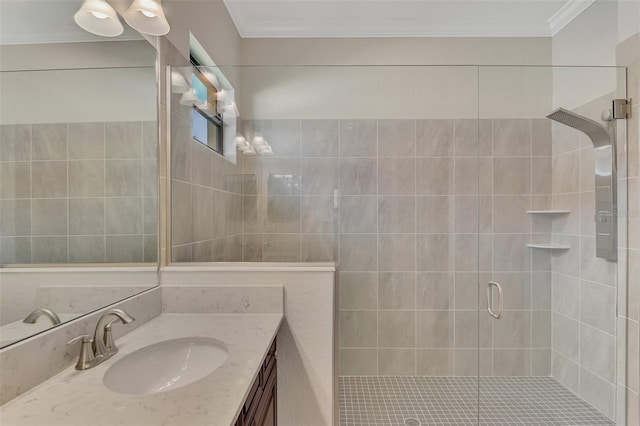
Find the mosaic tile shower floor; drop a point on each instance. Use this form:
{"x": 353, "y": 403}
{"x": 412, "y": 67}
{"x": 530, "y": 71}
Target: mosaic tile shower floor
{"x": 413, "y": 401}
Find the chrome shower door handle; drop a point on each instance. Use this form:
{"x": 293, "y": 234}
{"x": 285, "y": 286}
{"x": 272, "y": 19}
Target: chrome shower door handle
{"x": 490, "y": 299}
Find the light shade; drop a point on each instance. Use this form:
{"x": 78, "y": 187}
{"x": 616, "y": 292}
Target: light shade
{"x": 147, "y": 16}
{"x": 98, "y": 17}
{"x": 189, "y": 98}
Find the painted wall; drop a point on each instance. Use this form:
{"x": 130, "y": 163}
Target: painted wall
{"x": 628, "y": 19}
{"x": 589, "y": 40}
{"x": 397, "y": 51}
{"x": 78, "y": 82}
{"x": 331, "y": 87}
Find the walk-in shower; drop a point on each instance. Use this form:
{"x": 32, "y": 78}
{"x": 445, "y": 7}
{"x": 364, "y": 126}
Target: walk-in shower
{"x": 426, "y": 184}
{"x": 606, "y": 204}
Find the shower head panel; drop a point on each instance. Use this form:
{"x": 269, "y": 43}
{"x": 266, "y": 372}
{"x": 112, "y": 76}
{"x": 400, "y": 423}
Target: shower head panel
{"x": 596, "y": 131}
{"x": 606, "y": 208}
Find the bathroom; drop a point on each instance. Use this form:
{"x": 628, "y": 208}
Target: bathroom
{"x": 306, "y": 213}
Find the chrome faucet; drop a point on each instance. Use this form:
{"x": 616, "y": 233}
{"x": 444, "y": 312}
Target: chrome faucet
{"x": 102, "y": 347}
{"x": 103, "y": 338}
{"x": 44, "y": 312}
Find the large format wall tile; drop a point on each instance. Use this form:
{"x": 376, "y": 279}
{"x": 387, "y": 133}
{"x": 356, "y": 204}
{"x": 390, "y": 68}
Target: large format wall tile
{"x": 320, "y": 138}
{"x": 15, "y": 180}
{"x": 397, "y": 290}
{"x": 86, "y": 141}
{"x": 15, "y": 217}
{"x": 511, "y": 138}
{"x": 396, "y": 138}
{"x": 86, "y": 216}
{"x": 283, "y": 136}
{"x": 54, "y": 184}
{"x": 358, "y": 176}
{"x": 396, "y": 362}
{"x": 358, "y": 138}
{"x": 416, "y": 214}
{"x": 358, "y": 290}
{"x": 49, "y": 142}
{"x": 86, "y": 178}
{"x": 123, "y": 140}
{"x": 49, "y": 179}
{"x": 16, "y": 142}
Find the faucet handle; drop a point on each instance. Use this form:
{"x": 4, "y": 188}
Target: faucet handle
{"x": 108, "y": 335}
{"x": 86, "y": 351}
{"x": 85, "y": 339}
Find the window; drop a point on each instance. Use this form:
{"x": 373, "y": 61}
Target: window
{"x": 207, "y": 122}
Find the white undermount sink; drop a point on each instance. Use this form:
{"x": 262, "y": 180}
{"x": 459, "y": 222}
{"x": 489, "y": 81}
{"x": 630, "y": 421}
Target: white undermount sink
{"x": 166, "y": 366}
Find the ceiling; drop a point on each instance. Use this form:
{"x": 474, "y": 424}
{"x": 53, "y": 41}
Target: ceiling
{"x": 47, "y": 21}
{"x": 51, "y": 21}
{"x": 402, "y": 18}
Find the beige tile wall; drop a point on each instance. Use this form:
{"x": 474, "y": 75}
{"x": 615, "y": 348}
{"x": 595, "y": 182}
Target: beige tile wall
{"x": 206, "y": 201}
{"x": 78, "y": 193}
{"x": 414, "y": 205}
{"x": 584, "y": 295}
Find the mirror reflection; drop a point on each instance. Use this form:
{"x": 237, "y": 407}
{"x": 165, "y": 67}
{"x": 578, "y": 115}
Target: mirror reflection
{"x": 78, "y": 166}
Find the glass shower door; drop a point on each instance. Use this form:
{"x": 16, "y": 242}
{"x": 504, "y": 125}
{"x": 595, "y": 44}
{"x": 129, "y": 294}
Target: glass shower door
{"x": 547, "y": 288}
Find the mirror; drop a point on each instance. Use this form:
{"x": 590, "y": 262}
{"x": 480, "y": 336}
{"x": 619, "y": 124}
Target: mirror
{"x": 78, "y": 166}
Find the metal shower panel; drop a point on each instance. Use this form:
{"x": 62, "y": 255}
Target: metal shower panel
{"x": 604, "y": 143}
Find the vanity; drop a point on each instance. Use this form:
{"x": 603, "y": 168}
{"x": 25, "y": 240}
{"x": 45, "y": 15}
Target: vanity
{"x": 84, "y": 215}
{"x": 260, "y": 408}
{"x": 241, "y": 391}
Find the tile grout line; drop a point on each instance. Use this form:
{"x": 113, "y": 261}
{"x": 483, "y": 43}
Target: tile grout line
{"x": 415, "y": 247}
{"x": 67, "y": 196}
{"x": 31, "y": 192}
{"x": 377, "y": 250}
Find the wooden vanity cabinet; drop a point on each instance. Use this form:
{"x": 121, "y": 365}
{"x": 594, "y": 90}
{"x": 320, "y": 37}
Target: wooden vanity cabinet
{"x": 261, "y": 406}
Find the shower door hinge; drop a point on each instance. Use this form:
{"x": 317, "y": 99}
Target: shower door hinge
{"x": 621, "y": 109}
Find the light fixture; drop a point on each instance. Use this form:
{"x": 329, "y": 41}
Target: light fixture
{"x": 258, "y": 141}
{"x": 250, "y": 152}
{"x": 241, "y": 142}
{"x": 264, "y": 150}
{"x": 147, "y": 17}
{"x": 189, "y": 98}
{"x": 98, "y": 17}
{"x": 258, "y": 146}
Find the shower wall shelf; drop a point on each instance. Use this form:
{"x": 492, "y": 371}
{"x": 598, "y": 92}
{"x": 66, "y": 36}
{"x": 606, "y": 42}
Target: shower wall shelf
{"x": 548, "y": 211}
{"x": 549, "y": 246}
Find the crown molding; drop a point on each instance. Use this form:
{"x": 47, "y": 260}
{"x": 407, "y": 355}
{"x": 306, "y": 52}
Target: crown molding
{"x": 388, "y": 29}
{"x": 256, "y": 28}
{"x": 235, "y": 12}
{"x": 566, "y": 14}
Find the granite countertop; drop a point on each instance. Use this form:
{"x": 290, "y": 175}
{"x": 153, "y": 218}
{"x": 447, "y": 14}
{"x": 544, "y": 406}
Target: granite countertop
{"x": 79, "y": 397}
